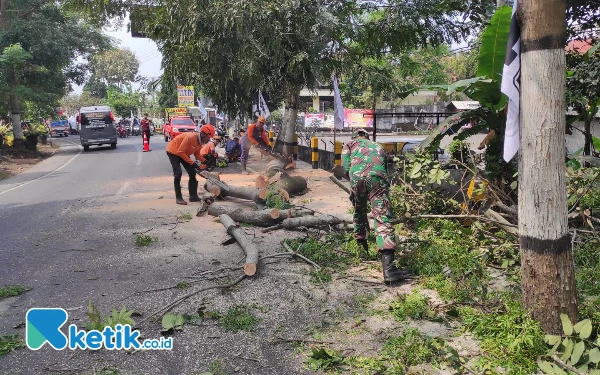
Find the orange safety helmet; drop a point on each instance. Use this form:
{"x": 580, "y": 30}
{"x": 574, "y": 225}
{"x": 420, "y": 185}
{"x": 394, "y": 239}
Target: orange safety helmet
{"x": 208, "y": 130}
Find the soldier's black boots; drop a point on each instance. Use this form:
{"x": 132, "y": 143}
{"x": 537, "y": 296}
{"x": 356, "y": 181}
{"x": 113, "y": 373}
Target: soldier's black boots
{"x": 390, "y": 272}
{"x": 178, "y": 196}
{"x": 363, "y": 247}
{"x": 193, "y": 188}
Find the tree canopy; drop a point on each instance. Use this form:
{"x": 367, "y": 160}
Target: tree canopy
{"x": 52, "y": 42}
{"x": 115, "y": 67}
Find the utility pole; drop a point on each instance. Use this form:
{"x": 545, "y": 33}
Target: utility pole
{"x": 548, "y": 275}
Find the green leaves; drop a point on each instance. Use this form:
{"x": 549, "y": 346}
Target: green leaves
{"x": 584, "y": 328}
{"x": 566, "y": 323}
{"x": 172, "y": 321}
{"x": 324, "y": 359}
{"x": 493, "y": 44}
{"x": 14, "y": 55}
{"x": 576, "y": 351}
{"x": 96, "y": 322}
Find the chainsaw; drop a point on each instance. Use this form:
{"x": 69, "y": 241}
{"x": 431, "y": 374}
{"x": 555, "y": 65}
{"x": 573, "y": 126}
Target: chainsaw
{"x": 215, "y": 181}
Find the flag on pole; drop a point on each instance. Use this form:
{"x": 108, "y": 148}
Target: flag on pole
{"x": 338, "y": 111}
{"x": 262, "y": 106}
{"x": 131, "y": 115}
{"x": 202, "y": 109}
{"x": 511, "y": 86}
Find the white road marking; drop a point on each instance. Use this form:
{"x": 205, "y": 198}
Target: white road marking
{"x": 46, "y": 175}
{"x": 122, "y": 189}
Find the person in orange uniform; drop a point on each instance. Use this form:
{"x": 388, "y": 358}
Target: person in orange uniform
{"x": 209, "y": 148}
{"x": 257, "y": 136}
{"x": 179, "y": 150}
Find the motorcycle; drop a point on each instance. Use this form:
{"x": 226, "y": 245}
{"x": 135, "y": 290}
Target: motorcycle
{"x": 136, "y": 130}
{"x": 222, "y": 132}
{"x": 123, "y": 132}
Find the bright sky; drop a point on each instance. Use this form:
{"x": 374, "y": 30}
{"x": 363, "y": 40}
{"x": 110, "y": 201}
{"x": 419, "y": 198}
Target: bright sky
{"x": 144, "y": 49}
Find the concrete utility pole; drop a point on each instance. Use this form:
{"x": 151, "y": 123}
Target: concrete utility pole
{"x": 548, "y": 277}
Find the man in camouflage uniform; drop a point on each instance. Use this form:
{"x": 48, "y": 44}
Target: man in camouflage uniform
{"x": 365, "y": 167}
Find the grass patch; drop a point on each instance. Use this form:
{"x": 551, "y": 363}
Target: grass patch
{"x": 399, "y": 353}
{"x": 447, "y": 253}
{"x": 215, "y": 368}
{"x": 144, "y": 240}
{"x": 182, "y": 284}
{"x": 10, "y": 343}
{"x": 13, "y": 290}
{"x": 238, "y": 318}
{"x": 510, "y": 339}
{"x": 184, "y": 216}
{"x": 321, "y": 276}
{"x": 414, "y": 306}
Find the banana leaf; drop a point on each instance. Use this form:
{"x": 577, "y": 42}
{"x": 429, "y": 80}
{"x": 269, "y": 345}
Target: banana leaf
{"x": 493, "y": 44}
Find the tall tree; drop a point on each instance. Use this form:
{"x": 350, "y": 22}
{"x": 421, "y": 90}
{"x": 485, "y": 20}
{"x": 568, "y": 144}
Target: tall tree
{"x": 116, "y": 67}
{"x": 548, "y": 278}
{"x": 53, "y": 42}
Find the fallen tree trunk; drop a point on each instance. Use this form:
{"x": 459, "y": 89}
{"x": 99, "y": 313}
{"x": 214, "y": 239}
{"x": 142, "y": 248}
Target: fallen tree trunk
{"x": 245, "y": 243}
{"x": 292, "y": 184}
{"x": 311, "y": 222}
{"x": 262, "y": 218}
{"x": 273, "y": 168}
{"x": 340, "y": 184}
{"x": 247, "y": 193}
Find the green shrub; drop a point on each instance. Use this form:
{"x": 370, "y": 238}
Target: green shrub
{"x": 414, "y": 305}
{"x": 510, "y": 339}
{"x": 443, "y": 251}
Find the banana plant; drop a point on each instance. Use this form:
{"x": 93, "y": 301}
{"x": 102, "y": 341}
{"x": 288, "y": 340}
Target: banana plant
{"x": 485, "y": 88}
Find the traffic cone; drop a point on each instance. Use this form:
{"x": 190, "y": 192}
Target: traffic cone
{"x": 146, "y": 146}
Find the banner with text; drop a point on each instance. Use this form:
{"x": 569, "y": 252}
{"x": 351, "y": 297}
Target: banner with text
{"x": 355, "y": 119}
{"x": 314, "y": 120}
{"x": 185, "y": 96}
{"x": 175, "y": 112}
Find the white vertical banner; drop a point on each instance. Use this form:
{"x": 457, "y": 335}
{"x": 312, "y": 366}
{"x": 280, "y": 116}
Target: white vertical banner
{"x": 338, "y": 107}
{"x": 262, "y": 106}
{"x": 511, "y": 81}
{"x": 202, "y": 110}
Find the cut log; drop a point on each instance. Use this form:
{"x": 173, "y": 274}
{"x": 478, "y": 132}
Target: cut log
{"x": 227, "y": 240}
{"x": 340, "y": 184}
{"x": 247, "y": 193}
{"x": 274, "y": 167}
{"x": 245, "y": 243}
{"x": 262, "y": 182}
{"x": 206, "y": 200}
{"x": 311, "y": 222}
{"x": 262, "y": 218}
{"x": 294, "y": 185}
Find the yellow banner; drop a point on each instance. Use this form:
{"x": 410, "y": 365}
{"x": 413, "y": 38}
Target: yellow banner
{"x": 185, "y": 96}
{"x": 176, "y": 111}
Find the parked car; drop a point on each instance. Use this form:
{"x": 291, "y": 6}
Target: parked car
{"x": 59, "y": 128}
{"x": 178, "y": 125}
